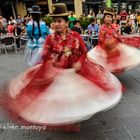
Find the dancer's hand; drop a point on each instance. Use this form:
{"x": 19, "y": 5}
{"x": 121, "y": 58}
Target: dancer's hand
{"x": 77, "y": 66}
{"x": 115, "y": 35}
{"x": 110, "y": 43}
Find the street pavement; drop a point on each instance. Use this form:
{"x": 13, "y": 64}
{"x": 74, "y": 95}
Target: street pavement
{"x": 119, "y": 123}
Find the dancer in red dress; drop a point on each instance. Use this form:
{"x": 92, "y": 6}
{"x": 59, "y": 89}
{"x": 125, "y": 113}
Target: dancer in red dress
{"x": 65, "y": 88}
{"x": 113, "y": 51}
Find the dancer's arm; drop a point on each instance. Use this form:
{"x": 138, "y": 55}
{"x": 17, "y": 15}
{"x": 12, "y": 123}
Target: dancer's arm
{"x": 83, "y": 51}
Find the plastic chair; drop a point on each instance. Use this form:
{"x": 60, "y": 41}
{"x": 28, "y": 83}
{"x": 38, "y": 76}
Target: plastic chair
{"x": 23, "y": 40}
{"x": 8, "y": 41}
{"x": 94, "y": 40}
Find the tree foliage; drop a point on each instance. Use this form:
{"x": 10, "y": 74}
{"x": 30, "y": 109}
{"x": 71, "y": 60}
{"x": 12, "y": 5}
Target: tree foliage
{"x": 47, "y": 20}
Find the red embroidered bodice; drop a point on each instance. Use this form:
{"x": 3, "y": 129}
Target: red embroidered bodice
{"x": 65, "y": 52}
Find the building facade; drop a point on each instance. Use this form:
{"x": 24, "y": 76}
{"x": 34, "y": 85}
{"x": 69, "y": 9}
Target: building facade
{"x": 22, "y": 7}
{"x": 129, "y": 5}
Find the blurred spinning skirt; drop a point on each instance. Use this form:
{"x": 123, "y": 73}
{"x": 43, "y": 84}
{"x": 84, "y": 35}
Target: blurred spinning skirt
{"x": 118, "y": 59}
{"x": 62, "y": 96}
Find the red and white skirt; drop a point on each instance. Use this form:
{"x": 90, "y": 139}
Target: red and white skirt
{"x": 120, "y": 58}
{"x": 62, "y": 96}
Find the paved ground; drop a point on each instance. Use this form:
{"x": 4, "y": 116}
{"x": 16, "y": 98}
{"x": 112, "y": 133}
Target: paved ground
{"x": 119, "y": 123}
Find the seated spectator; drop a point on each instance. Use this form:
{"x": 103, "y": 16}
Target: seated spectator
{"x": 77, "y": 27}
{"x": 10, "y": 28}
{"x": 93, "y": 28}
{"x": 127, "y": 28}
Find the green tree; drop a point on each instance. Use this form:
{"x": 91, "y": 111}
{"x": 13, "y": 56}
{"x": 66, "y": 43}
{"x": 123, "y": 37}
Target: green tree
{"x": 47, "y": 20}
{"x": 85, "y": 22}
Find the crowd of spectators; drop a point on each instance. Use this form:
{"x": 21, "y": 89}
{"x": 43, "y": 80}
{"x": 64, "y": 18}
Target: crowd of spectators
{"x": 126, "y": 23}
{"x": 15, "y": 27}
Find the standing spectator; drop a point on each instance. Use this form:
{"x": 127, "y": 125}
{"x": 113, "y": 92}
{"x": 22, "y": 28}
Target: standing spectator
{"x": 123, "y": 15}
{"x": 71, "y": 19}
{"x": 2, "y": 29}
{"x": 11, "y": 27}
{"x": 19, "y": 19}
{"x": 138, "y": 21}
{"x": 93, "y": 30}
{"x": 17, "y": 34}
{"x": 99, "y": 15}
{"x": 132, "y": 19}
{"x": 91, "y": 14}
{"x": 123, "y": 19}
{"x": 3, "y": 21}
{"x": 12, "y": 20}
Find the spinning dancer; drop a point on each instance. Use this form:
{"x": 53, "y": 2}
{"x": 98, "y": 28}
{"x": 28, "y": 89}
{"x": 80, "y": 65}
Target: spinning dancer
{"x": 65, "y": 88}
{"x": 112, "y": 52}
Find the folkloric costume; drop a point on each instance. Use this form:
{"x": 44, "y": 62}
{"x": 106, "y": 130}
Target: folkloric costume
{"x": 113, "y": 51}
{"x": 37, "y": 32}
{"x": 52, "y": 93}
